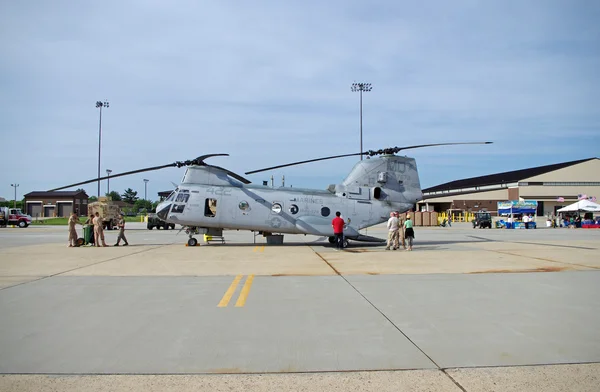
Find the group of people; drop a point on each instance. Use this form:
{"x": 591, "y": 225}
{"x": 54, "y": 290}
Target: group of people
{"x": 98, "y": 223}
{"x": 399, "y": 232}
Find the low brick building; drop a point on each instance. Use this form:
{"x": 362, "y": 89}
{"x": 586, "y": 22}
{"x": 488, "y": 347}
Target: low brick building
{"x": 56, "y": 204}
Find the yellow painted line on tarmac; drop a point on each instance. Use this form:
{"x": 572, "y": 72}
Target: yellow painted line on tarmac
{"x": 258, "y": 248}
{"x": 229, "y": 293}
{"x": 245, "y": 291}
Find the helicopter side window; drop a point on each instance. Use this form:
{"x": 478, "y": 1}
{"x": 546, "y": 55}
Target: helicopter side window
{"x": 210, "y": 208}
{"x": 182, "y": 198}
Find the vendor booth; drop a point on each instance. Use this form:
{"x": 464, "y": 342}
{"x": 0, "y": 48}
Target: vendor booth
{"x": 514, "y": 211}
{"x": 586, "y": 206}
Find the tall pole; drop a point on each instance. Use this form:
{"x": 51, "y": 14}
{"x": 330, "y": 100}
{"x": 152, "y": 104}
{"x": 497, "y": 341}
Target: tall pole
{"x": 100, "y": 104}
{"x": 360, "y": 87}
{"x": 145, "y": 188}
{"x": 15, "y": 185}
{"x": 108, "y": 171}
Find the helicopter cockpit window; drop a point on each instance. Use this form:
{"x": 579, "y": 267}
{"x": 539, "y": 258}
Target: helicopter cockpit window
{"x": 171, "y": 197}
{"x": 183, "y": 197}
{"x": 210, "y": 208}
{"x": 177, "y": 208}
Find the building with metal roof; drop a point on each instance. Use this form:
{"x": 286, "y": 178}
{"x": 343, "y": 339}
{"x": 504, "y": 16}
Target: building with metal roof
{"x": 552, "y": 186}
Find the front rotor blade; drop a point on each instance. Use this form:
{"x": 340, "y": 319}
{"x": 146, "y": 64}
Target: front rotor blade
{"x": 116, "y": 175}
{"x": 232, "y": 174}
{"x": 308, "y": 161}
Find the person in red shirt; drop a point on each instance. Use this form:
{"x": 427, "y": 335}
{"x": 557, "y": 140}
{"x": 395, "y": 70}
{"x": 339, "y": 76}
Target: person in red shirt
{"x": 338, "y": 230}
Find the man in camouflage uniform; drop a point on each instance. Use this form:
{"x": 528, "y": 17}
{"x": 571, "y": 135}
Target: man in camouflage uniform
{"x": 121, "y": 225}
{"x": 73, "y": 220}
{"x": 98, "y": 230}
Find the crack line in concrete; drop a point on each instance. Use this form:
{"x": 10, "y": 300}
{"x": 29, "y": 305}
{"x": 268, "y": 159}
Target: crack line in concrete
{"x": 376, "y": 308}
{"x": 85, "y": 266}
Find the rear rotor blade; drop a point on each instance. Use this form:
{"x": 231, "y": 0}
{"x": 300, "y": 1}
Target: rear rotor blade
{"x": 392, "y": 150}
{"x": 395, "y": 150}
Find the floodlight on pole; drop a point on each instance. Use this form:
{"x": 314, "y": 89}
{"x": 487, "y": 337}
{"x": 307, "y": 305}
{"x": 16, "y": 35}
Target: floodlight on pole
{"x": 15, "y": 201}
{"x": 360, "y": 87}
{"x": 145, "y": 188}
{"x": 100, "y": 104}
{"x": 108, "y": 171}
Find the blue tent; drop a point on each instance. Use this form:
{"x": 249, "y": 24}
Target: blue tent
{"x": 517, "y": 207}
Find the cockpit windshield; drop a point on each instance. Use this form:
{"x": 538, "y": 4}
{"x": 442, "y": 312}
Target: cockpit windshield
{"x": 172, "y": 196}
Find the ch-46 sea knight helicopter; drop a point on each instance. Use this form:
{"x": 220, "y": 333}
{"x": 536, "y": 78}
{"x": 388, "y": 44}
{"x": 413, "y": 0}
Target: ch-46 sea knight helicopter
{"x": 211, "y": 198}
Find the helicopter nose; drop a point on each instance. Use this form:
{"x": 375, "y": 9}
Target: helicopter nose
{"x": 162, "y": 210}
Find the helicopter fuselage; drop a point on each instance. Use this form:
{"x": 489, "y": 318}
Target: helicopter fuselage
{"x": 208, "y": 198}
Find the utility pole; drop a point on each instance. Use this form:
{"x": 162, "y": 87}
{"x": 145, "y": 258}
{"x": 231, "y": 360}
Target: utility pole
{"x": 15, "y": 185}
{"x": 100, "y": 104}
{"x": 145, "y": 188}
{"x": 108, "y": 171}
{"x": 360, "y": 87}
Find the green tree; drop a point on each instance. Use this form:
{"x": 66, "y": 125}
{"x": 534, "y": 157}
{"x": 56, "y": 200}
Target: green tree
{"x": 114, "y": 195}
{"x": 92, "y": 199}
{"x": 130, "y": 196}
{"x": 142, "y": 205}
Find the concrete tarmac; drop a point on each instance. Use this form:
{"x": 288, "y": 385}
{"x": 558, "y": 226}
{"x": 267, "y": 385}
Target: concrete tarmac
{"x": 467, "y": 309}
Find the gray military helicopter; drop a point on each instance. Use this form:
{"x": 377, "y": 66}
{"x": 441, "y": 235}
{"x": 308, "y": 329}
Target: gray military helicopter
{"x": 211, "y": 198}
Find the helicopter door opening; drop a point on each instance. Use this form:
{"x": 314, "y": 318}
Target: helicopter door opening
{"x": 210, "y": 208}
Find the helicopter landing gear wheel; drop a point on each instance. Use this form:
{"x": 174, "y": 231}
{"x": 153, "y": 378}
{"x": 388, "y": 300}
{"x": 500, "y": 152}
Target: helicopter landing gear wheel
{"x": 332, "y": 240}
{"x": 192, "y": 242}
{"x": 346, "y": 243}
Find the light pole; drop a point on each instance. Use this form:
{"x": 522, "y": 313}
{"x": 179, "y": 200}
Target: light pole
{"x": 100, "y": 104}
{"x": 360, "y": 87}
{"x": 145, "y": 188}
{"x": 108, "y": 171}
{"x": 15, "y": 201}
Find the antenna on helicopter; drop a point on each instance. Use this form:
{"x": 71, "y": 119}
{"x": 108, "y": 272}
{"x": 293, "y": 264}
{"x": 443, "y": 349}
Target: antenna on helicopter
{"x": 192, "y": 162}
{"x": 369, "y": 153}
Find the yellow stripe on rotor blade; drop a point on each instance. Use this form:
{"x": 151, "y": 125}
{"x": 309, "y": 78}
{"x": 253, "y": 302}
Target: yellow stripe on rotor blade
{"x": 245, "y": 291}
{"x": 229, "y": 293}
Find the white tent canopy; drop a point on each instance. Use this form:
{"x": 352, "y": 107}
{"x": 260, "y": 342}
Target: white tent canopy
{"x": 582, "y": 205}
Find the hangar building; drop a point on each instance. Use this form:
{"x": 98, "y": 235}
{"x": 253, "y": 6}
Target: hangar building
{"x": 552, "y": 186}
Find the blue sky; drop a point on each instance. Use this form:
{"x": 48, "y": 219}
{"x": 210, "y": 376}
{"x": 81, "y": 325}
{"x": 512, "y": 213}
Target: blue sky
{"x": 268, "y": 82}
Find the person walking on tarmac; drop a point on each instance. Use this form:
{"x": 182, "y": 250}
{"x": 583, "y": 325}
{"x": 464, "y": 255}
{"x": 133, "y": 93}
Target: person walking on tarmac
{"x": 73, "y": 220}
{"x": 409, "y": 232}
{"x": 98, "y": 230}
{"x": 338, "y": 230}
{"x": 121, "y": 225}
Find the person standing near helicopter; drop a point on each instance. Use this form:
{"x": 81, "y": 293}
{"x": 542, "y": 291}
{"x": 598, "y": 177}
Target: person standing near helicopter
{"x": 99, "y": 230}
{"x": 73, "y": 220}
{"x": 338, "y": 230}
